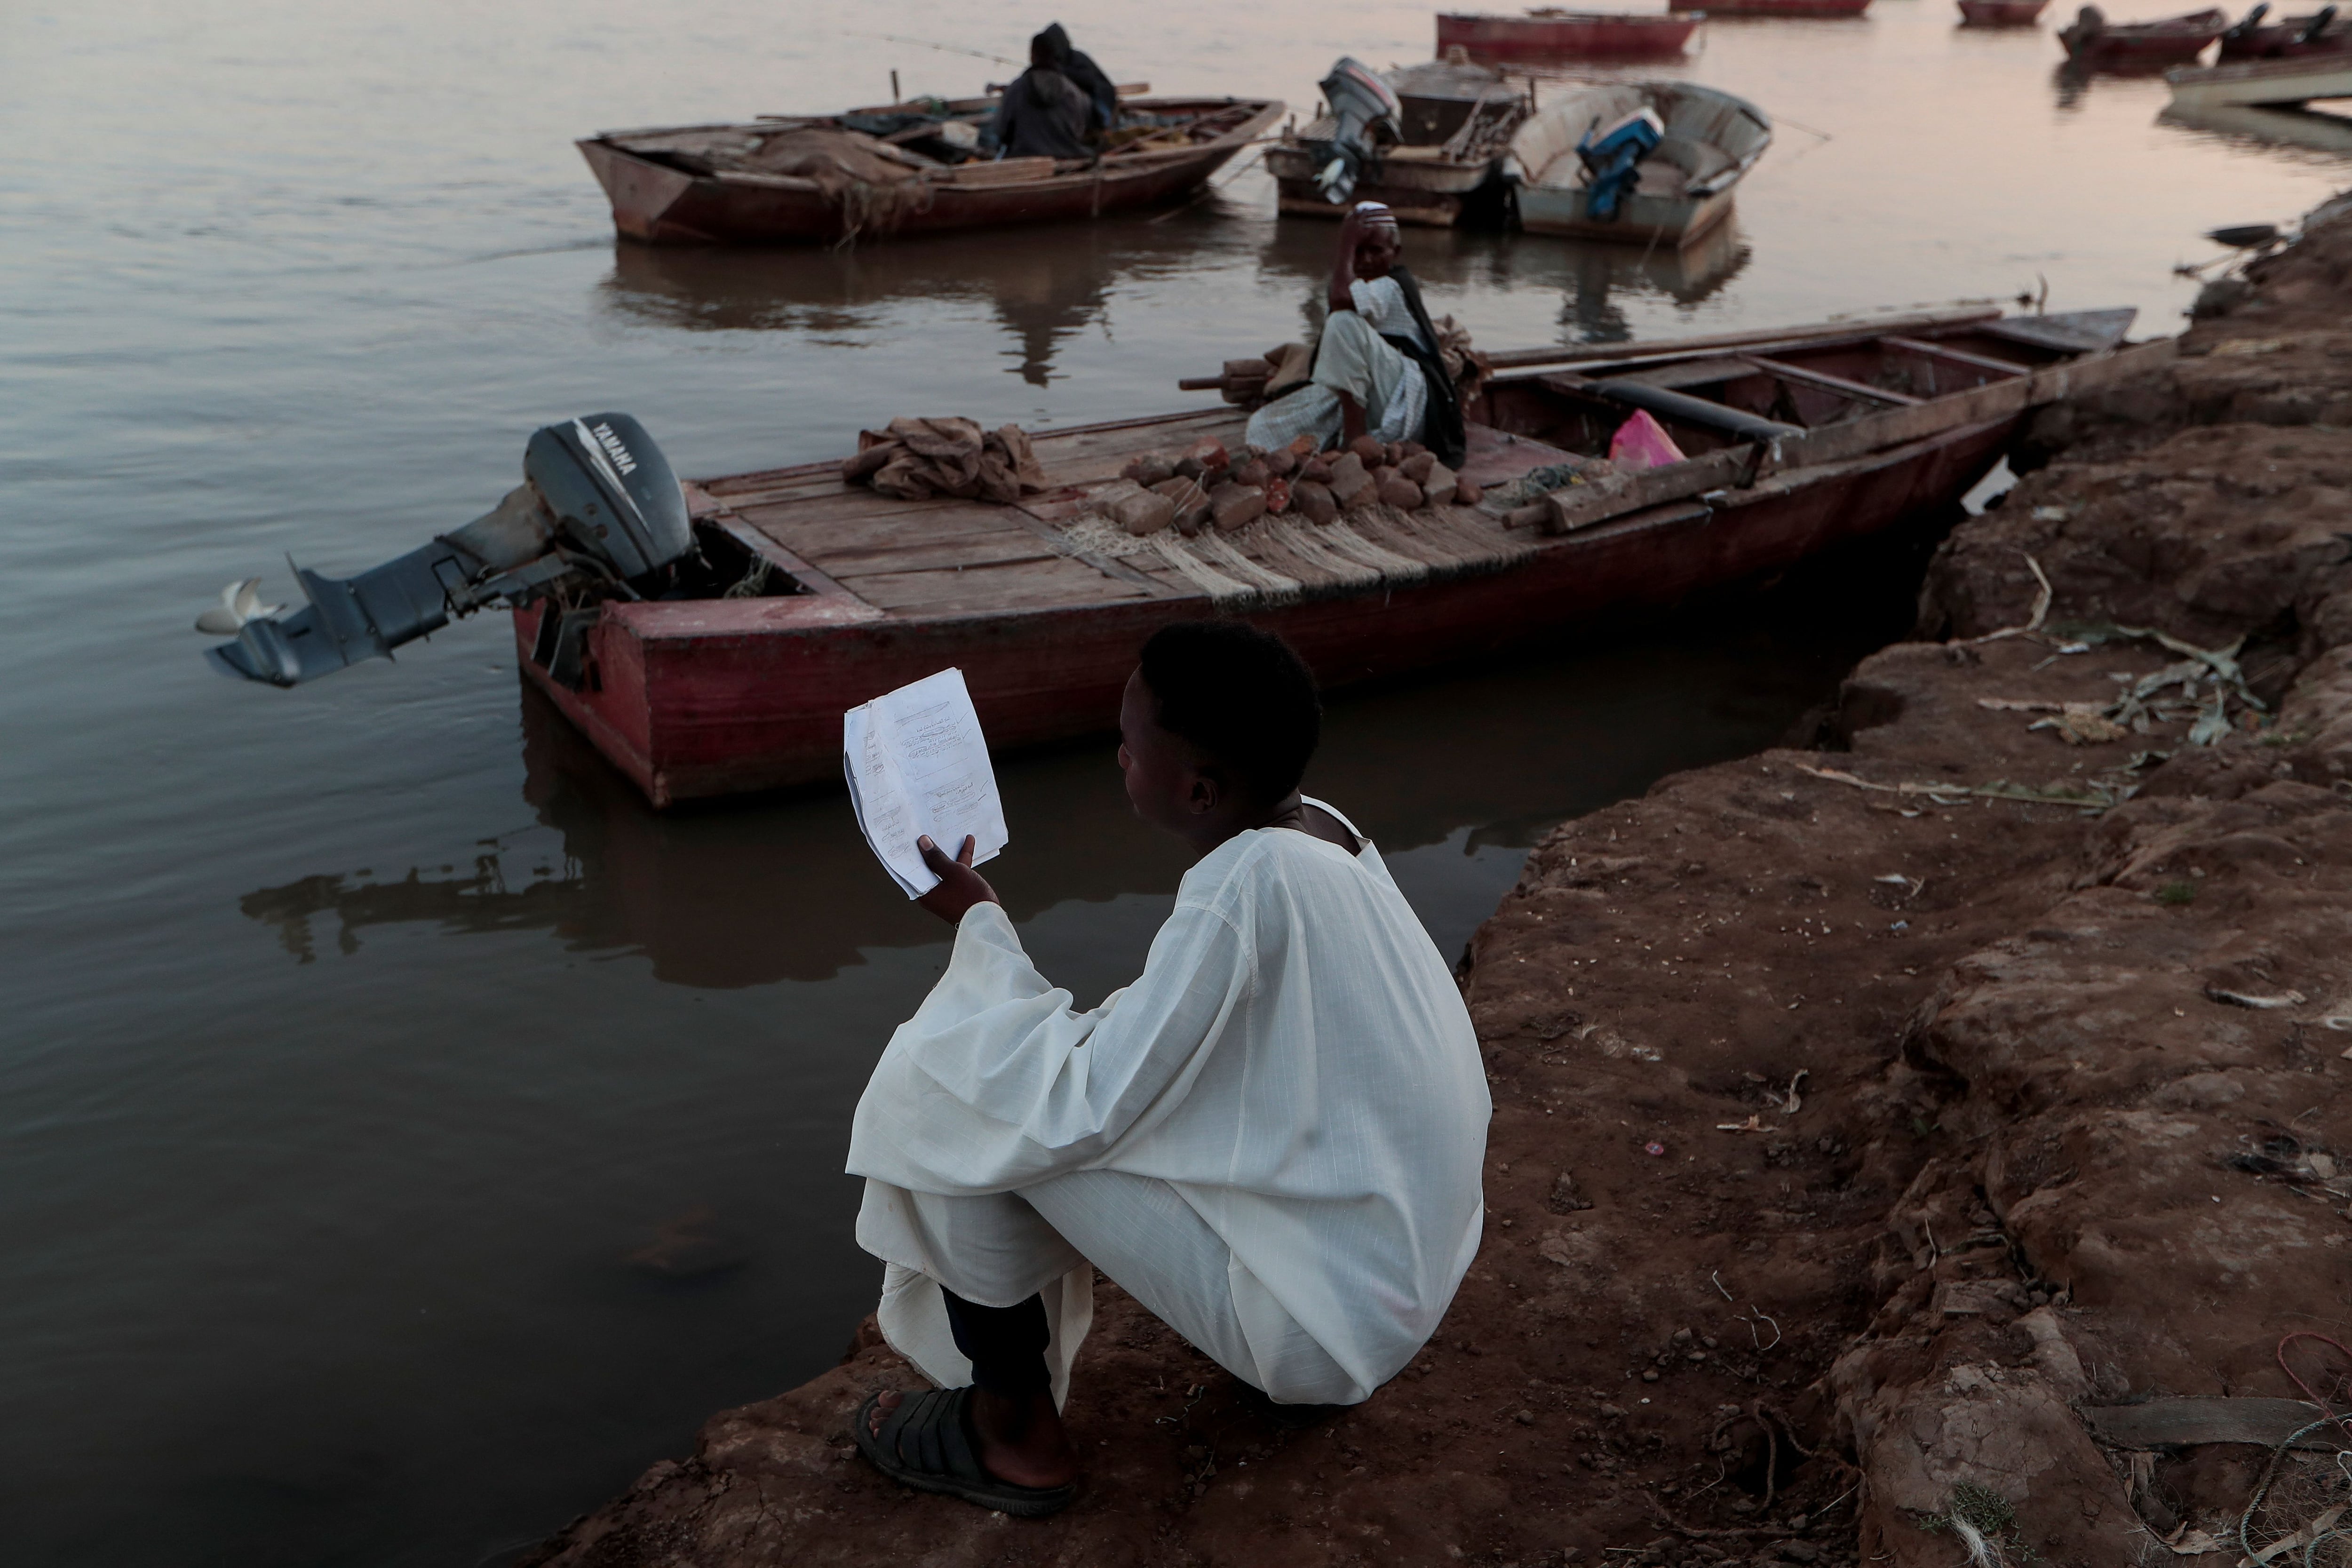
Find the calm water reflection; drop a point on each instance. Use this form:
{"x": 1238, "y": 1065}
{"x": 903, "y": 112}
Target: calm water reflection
{"x": 357, "y": 1039}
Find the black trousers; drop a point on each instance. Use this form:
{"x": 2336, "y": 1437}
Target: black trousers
{"x": 1006, "y": 1345}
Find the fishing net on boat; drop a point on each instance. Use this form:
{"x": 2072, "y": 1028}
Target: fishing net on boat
{"x": 835, "y": 160}
{"x": 874, "y": 184}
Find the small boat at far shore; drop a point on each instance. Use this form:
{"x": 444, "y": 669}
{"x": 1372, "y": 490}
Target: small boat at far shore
{"x": 1680, "y": 190}
{"x": 2002, "y": 13}
{"x": 2263, "y": 84}
{"x": 2251, "y": 37}
{"x": 2092, "y": 42}
{"x": 1815, "y": 9}
{"x": 902, "y": 168}
{"x": 1549, "y": 33}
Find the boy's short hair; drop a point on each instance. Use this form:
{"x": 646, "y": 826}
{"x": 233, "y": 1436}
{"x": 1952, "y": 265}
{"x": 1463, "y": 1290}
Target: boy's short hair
{"x": 1241, "y": 695}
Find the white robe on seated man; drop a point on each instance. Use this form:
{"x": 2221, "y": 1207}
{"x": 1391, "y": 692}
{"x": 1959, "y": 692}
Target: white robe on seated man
{"x": 1273, "y": 1138}
{"x": 1354, "y": 357}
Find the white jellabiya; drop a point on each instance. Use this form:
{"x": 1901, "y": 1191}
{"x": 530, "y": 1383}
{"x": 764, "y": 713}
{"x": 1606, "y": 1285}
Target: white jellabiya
{"x": 1272, "y": 1139}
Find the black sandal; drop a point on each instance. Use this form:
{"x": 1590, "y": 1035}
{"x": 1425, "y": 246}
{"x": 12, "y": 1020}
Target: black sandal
{"x": 942, "y": 1456}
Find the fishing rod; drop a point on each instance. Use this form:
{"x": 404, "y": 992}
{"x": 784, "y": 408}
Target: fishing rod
{"x": 943, "y": 49}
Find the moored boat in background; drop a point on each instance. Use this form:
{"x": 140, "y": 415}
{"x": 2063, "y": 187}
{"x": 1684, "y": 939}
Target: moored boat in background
{"x": 1455, "y": 119}
{"x": 1550, "y": 34}
{"x": 2252, "y": 38}
{"x": 909, "y": 168}
{"x": 2261, "y": 84}
{"x": 2092, "y": 42}
{"x": 2002, "y": 13}
{"x": 1816, "y": 9}
{"x": 2308, "y": 128}
{"x": 1673, "y": 192}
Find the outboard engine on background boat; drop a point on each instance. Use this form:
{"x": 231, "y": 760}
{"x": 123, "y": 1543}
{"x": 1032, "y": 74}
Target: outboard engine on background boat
{"x": 1370, "y": 117}
{"x": 2245, "y": 25}
{"x": 1612, "y": 160}
{"x": 599, "y": 515}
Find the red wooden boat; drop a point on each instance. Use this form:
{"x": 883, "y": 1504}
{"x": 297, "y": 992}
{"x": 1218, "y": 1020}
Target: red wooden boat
{"x": 820, "y": 179}
{"x": 1816, "y": 8}
{"x": 2002, "y": 13}
{"x": 2253, "y": 38}
{"x": 1555, "y": 35}
{"x": 2090, "y": 40}
{"x": 1794, "y": 442}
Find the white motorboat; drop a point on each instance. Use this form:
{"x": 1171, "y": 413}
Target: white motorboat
{"x": 1681, "y": 185}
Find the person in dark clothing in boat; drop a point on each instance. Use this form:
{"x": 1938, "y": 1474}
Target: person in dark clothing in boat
{"x": 1080, "y": 67}
{"x": 1377, "y": 370}
{"x": 1054, "y": 108}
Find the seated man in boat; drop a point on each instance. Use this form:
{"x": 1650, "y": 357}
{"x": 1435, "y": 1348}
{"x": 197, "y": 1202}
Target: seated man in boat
{"x": 1272, "y": 1140}
{"x": 1377, "y": 368}
{"x": 1056, "y": 105}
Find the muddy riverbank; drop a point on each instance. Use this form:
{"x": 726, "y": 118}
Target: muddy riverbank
{"x": 1865, "y": 1110}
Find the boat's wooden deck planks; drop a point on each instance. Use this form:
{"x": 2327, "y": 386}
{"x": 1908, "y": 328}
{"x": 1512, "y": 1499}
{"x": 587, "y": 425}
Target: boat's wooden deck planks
{"x": 1054, "y": 581}
{"x": 952, "y": 557}
{"x": 933, "y": 558}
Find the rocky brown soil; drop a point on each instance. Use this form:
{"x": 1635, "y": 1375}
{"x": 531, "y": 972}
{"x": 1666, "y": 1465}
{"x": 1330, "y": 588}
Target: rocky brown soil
{"x": 1864, "y": 1110}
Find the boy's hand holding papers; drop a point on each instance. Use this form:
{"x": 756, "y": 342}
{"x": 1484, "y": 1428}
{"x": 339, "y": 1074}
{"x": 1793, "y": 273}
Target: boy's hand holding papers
{"x": 925, "y": 796}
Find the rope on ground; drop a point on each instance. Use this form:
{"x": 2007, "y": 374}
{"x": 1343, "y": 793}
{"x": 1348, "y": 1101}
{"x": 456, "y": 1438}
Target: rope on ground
{"x": 2253, "y": 1505}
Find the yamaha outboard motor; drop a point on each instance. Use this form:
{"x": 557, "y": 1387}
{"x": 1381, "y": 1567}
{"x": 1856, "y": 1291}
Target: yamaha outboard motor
{"x": 1369, "y": 117}
{"x": 1612, "y": 160}
{"x": 599, "y": 514}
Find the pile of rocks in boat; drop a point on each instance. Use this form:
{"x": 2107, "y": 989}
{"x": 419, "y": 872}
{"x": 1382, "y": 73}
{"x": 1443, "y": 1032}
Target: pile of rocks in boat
{"x": 1204, "y": 488}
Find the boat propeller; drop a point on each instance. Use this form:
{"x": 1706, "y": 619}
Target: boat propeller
{"x": 599, "y": 515}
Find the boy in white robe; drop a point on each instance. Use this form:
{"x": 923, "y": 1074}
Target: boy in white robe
{"x": 1272, "y": 1139}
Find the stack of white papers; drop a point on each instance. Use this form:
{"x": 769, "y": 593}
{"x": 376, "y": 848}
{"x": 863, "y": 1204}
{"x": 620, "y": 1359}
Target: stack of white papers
{"x": 918, "y": 764}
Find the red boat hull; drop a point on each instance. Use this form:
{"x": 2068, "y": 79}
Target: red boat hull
{"x": 2176, "y": 41}
{"x": 1791, "y": 8}
{"x": 1578, "y": 35}
{"x": 666, "y": 205}
{"x": 2002, "y": 13}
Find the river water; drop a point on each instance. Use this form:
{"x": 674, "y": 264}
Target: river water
{"x": 405, "y": 1135}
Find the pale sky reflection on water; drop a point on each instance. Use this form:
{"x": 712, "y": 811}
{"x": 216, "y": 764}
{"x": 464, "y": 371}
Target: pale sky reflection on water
{"x": 354, "y": 1035}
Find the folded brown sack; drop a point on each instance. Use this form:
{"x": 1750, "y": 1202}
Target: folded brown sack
{"x": 917, "y": 460}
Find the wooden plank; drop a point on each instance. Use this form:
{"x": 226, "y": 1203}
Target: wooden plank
{"x": 959, "y": 550}
{"x": 1984, "y": 364}
{"x": 1852, "y": 438}
{"x": 1919, "y": 321}
{"x": 857, "y": 538}
{"x": 1691, "y": 372}
{"x": 1581, "y": 506}
{"x": 1055, "y": 540}
{"x": 814, "y": 578}
{"x": 1020, "y": 585}
{"x": 2184, "y": 1421}
{"x": 1837, "y": 384}
{"x": 999, "y": 171}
